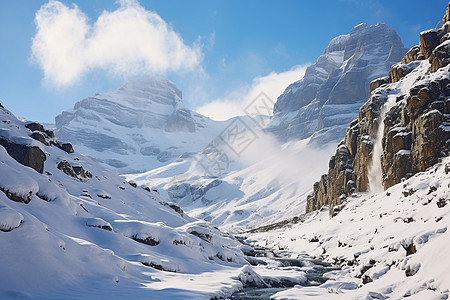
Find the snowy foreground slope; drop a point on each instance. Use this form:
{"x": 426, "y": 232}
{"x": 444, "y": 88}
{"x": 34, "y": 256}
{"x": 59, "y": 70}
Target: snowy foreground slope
{"x": 76, "y": 230}
{"x": 390, "y": 245}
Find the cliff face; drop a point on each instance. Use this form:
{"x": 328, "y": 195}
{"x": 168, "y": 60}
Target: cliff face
{"x": 335, "y": 86}
{"x": 403, "y": 129}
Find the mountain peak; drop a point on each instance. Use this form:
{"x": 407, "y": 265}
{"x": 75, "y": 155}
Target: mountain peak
{"x": 327, "y": 98}
{"x": 137, "y": 92}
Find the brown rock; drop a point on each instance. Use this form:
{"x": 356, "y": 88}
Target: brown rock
{"x": 412, "y": 55}
{"x": 440, "y": 57}
{"x": 447, "y": 15}
{"x": 429, "y": 40}
{"x": 377, "y": 83}
{"x": 398, "y": 71}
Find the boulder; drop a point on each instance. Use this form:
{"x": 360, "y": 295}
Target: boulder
{"x": 67, "y": 147}
{"x": 34, "y": 126}
{"x": 38, "y": 136}
{"x": 30, "y": 156}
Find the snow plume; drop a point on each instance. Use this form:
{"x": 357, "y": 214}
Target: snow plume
{"x": 128, "y": 41}
{"x": 295, "y": 162}
{"x": 234, "y": 102}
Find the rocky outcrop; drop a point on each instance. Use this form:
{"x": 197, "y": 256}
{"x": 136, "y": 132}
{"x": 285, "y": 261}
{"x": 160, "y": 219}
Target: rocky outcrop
{"x": 334, "y": 87}
{"x": 416, "y": 129}
{"x": 439, "y": 57}
{"x": 30, "y": 156}
{"x": 77, "y": 172}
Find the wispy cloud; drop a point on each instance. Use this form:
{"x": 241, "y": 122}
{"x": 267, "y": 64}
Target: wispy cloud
{"x": 234, "y": 102}
{"x": 127, "y": 41}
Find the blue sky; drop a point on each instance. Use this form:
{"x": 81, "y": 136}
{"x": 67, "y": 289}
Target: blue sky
{"x": 227, "y": 47}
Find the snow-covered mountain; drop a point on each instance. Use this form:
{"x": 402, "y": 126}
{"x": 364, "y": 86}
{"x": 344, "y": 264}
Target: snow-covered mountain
{"x": 336, "y": 85}
{"x": 138, "y": 127}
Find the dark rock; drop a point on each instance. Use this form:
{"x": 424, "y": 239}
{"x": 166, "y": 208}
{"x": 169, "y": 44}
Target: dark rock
{"x": 409, "y": 248}
{"x": 30, "y": 156}
{"x": 77, "y": 172}
{"x": 34, "y": 126}
{"x": 204, "y": 236}
{"x": 67, "y": 147}
{"x": 366, "y": 279}
{"x": 38, "y": 136}
{"x": 17, "y": 198}
{"x": 133, "y": 184}
{"x": 441, "y": 203}
{"x": 148, "y": 241}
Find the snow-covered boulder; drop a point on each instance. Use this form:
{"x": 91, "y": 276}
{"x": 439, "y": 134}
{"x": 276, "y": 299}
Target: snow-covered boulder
{"x": 9, "y": 218}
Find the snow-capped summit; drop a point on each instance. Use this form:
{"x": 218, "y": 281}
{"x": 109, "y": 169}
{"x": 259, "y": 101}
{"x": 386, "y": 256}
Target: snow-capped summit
{"x": 137, "y": 127}
{"x": 336, "y": 85}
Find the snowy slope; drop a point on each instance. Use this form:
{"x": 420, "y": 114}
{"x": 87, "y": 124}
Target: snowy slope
{"x": 390, "y": 245}
{"x": 94, "y": 235}
{"x": 138, "y": 127}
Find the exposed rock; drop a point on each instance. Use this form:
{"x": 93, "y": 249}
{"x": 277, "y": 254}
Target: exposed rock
{"x": 447, "y": 15}
{"x": 204, "y": 236}
{"x": 175, "y": 207}
{"x": 412, "y": 55}
{"x": 429, "y": 40}
{"x": 30, "y": 156}
{"x": 377, "y": 83}
{"x": 38, "y": 136}
{"x": 398, "y": 71}
{"x": 330, "y": 192}
{"x": 34, "y": 126}
{"x": 67, "y": 147}
{"x": 77, "y": 172}
{"x": 148, "y": 241}
{"x": 439, "y": 57}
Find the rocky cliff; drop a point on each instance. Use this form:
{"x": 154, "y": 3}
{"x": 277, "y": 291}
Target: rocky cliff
{"x": 335, "y": 86}
{"x": 403, "y": 129}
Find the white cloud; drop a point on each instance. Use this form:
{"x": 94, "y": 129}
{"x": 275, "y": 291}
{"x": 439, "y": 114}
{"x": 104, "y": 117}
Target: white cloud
{"x": 234, "y": 102}
{"x": 128, "y": 41}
